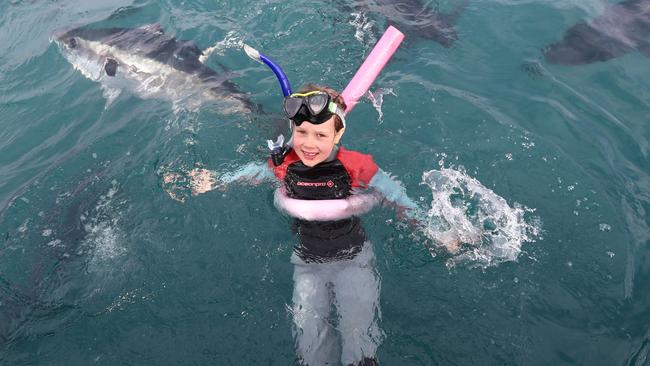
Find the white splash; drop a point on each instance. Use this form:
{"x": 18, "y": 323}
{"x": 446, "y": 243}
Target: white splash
{"x": 231, "y": 40}
{"x": 488, "y": 230}
{"x": 363, "y": 28}
{"x": 377, "y": 100}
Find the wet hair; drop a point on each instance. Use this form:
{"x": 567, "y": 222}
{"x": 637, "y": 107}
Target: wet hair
{"x": 336, "y": 98}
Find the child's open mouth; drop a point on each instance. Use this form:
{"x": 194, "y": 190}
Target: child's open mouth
{"x": 309, "y": 155}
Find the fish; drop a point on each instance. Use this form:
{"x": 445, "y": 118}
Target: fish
{"x": 621, "y": 29}
{"x": 151, "y": 64}
{"x": 412, "y": 16}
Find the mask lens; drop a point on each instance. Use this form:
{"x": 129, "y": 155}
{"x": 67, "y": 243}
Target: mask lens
{"x": 292, "y": 106}
{"x": 317, "y": 103}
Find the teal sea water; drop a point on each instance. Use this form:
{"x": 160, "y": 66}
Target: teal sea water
{"x": 104, "y": 261}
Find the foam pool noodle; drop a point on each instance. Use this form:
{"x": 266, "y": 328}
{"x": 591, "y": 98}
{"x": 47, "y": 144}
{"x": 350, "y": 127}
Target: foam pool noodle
{"x": 371, "y": 67}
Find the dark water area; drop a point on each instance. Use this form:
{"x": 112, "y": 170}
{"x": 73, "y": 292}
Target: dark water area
{"x": 101, "y": 262}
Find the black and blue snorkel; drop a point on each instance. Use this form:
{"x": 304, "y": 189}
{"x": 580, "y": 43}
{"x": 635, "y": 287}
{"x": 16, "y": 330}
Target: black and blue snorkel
{"x": 278, "y": 148}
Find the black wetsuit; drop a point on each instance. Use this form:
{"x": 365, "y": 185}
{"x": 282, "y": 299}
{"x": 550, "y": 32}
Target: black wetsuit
{"x": 324, "y": 241}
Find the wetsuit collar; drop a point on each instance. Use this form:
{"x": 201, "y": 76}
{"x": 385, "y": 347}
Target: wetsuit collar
{"x": 332, "y": 156}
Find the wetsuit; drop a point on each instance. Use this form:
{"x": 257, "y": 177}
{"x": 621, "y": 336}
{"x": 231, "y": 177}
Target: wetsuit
{"x": 335, "y": 178}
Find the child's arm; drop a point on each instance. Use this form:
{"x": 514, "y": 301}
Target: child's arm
{"x": 253, "y": 172}
{"x": 393, "y": 191}
{"x": 204, "y": 180}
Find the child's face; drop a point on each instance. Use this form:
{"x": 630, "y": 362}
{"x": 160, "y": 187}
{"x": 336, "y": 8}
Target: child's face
{"x": 314, "y": 143}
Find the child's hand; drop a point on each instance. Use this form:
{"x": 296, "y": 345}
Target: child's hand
{"x": 450, "y": 241}
{"x": 202, "y": 181}
{"x": 414, "y": 217}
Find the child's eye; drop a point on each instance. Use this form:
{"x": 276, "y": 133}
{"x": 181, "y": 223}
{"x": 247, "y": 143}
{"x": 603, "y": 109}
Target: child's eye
{"x": 322, "y": 135}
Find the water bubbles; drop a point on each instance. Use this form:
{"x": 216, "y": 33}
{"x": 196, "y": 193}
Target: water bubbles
{"x": 129, "y": 297}
{"x": 54, "y": 243}
{"x": 528, "y": 145}
{"x": 604, "y": 227}
{"x": 241, "y": 149}
{"x": 104, "y": 238}
{"x": 24, "y": 227}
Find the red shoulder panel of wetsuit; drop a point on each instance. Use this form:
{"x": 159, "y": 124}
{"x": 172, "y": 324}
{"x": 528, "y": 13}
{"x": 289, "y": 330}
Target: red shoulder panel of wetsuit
{"x": 281, "y": 170}
{"x": 360, "y": 166}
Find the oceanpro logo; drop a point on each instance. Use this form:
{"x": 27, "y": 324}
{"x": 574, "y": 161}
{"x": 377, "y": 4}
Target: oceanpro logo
{"x": 329, "y": 184}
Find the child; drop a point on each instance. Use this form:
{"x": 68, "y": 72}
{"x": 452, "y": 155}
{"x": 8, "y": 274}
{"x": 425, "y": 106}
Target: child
{"x": 333, "y": 260}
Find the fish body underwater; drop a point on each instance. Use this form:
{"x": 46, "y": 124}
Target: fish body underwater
{"x": 151, "y": 64}
{"x": 415, "y": 17}
{"x": 623, "y": 28}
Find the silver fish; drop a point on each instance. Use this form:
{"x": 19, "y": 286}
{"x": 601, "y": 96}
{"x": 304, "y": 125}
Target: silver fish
{"x": 151, "y": 64}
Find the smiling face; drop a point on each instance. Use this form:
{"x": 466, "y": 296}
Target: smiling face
{"x": 314, "y": 143}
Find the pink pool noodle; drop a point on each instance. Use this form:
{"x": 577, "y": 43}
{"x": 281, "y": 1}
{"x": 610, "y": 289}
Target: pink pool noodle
{"x": 371, "y": 67}
{"x": 324, "y": 210}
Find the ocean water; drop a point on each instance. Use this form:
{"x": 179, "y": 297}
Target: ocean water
{"x": 103, "y": 260}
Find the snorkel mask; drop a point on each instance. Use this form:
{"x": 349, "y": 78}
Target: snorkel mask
{"x": 315, "y": 107}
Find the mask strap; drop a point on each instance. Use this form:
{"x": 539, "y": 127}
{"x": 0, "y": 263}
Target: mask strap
{"x": 334, "y": 108}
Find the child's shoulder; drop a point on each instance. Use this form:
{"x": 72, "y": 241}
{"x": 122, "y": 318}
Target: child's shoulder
{"x": 353, "y": 156}
{"x": 361, "y": 166}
